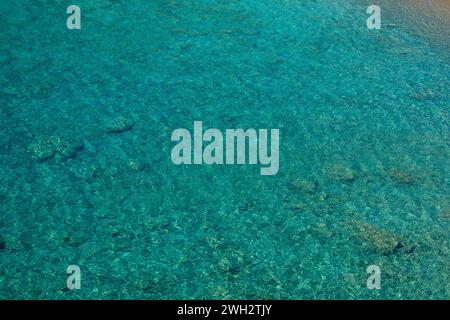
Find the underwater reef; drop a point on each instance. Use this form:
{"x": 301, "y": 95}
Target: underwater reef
{"x": 86, "y": 176}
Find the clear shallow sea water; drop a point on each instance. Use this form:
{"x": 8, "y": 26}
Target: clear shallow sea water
{"x": 86, "y": 176}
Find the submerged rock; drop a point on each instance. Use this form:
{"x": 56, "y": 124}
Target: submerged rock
{"x": 66, "y": 149}
{"x": 427, "y": 94}
{"x": 45, "y": 148}
{"x": 401, "y": 177}
{"x": 42, "y": 149}
{"x": 232, "y": 264}
{"x": 377, "y": 239}
{"x": 297, "y": 206}
{"x": 303, "y": 185}
{"x": 445, "y": 214}
{"x": 2, "y": 243}
{"x": 119, "y": 125}
{"x": 342, "y": 173}
{"x": 321, "y": 231}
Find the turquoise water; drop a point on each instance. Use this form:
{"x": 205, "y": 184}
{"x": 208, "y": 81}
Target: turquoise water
{"x": 87, "y": 179}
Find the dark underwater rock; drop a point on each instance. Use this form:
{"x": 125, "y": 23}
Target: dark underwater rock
{"x": 232, "y": 264}
{"x": 445, "y": 214}
{"x": 298, "y": 206}
{"x": 2, "y": 243}
{"x": 401, "y": 177}
{"x": 42, "y": 149}
{"x": 119, "y": 125}
{"x": 342, "y": 173}
{"x": 303, "y": 185}
{"x": 374, "y": 238}
{"x": 45, "y": 148}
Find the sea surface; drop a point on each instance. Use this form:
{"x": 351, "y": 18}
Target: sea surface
{"x": 86, "y": 176}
